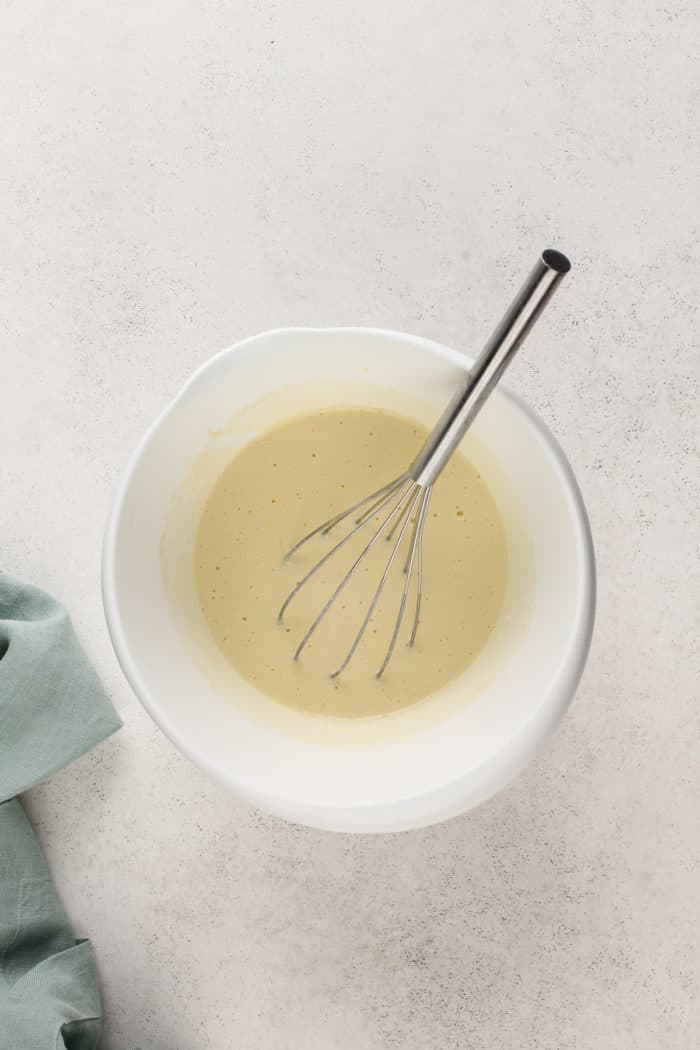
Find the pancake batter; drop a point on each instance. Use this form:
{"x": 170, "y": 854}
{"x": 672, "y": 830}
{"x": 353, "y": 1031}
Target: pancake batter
{"x": 289, "y": 480}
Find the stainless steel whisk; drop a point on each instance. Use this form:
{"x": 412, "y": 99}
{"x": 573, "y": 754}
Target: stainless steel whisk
{"x": 405, "y": 500}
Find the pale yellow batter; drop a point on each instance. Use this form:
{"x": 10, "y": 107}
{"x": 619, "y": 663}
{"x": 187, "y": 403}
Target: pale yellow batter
{"x": 288, "y": 481}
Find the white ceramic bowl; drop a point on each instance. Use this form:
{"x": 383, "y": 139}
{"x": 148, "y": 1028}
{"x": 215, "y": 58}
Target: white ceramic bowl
{"x": 416, "y": 769}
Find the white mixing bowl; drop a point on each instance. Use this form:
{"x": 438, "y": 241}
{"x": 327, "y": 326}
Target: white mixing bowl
{"x": 411, "y": 769}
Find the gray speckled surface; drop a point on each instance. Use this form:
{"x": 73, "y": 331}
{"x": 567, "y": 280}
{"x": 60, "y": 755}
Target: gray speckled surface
{"x": 182, "y": 174}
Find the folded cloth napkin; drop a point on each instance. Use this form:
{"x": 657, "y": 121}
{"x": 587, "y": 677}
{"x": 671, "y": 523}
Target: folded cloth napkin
{"x": 52, "y": 709}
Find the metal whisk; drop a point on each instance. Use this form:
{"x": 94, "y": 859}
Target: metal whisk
{"x": 405, "y": 500}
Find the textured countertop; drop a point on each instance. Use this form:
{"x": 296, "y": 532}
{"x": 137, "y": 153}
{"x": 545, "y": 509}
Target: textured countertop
{"x": 179, "y": 175}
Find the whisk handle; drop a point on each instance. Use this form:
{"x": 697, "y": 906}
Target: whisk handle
{"x": 508, "y": 336}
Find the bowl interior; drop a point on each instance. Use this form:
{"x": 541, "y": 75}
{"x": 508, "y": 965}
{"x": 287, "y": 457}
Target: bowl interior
{"x": 415, "y": 767}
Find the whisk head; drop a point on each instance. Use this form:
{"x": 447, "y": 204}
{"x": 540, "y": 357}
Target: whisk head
{"x": 400, "y": 505}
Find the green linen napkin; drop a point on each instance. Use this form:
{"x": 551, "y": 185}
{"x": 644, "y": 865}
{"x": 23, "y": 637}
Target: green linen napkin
{"x": 52, "y": 709}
